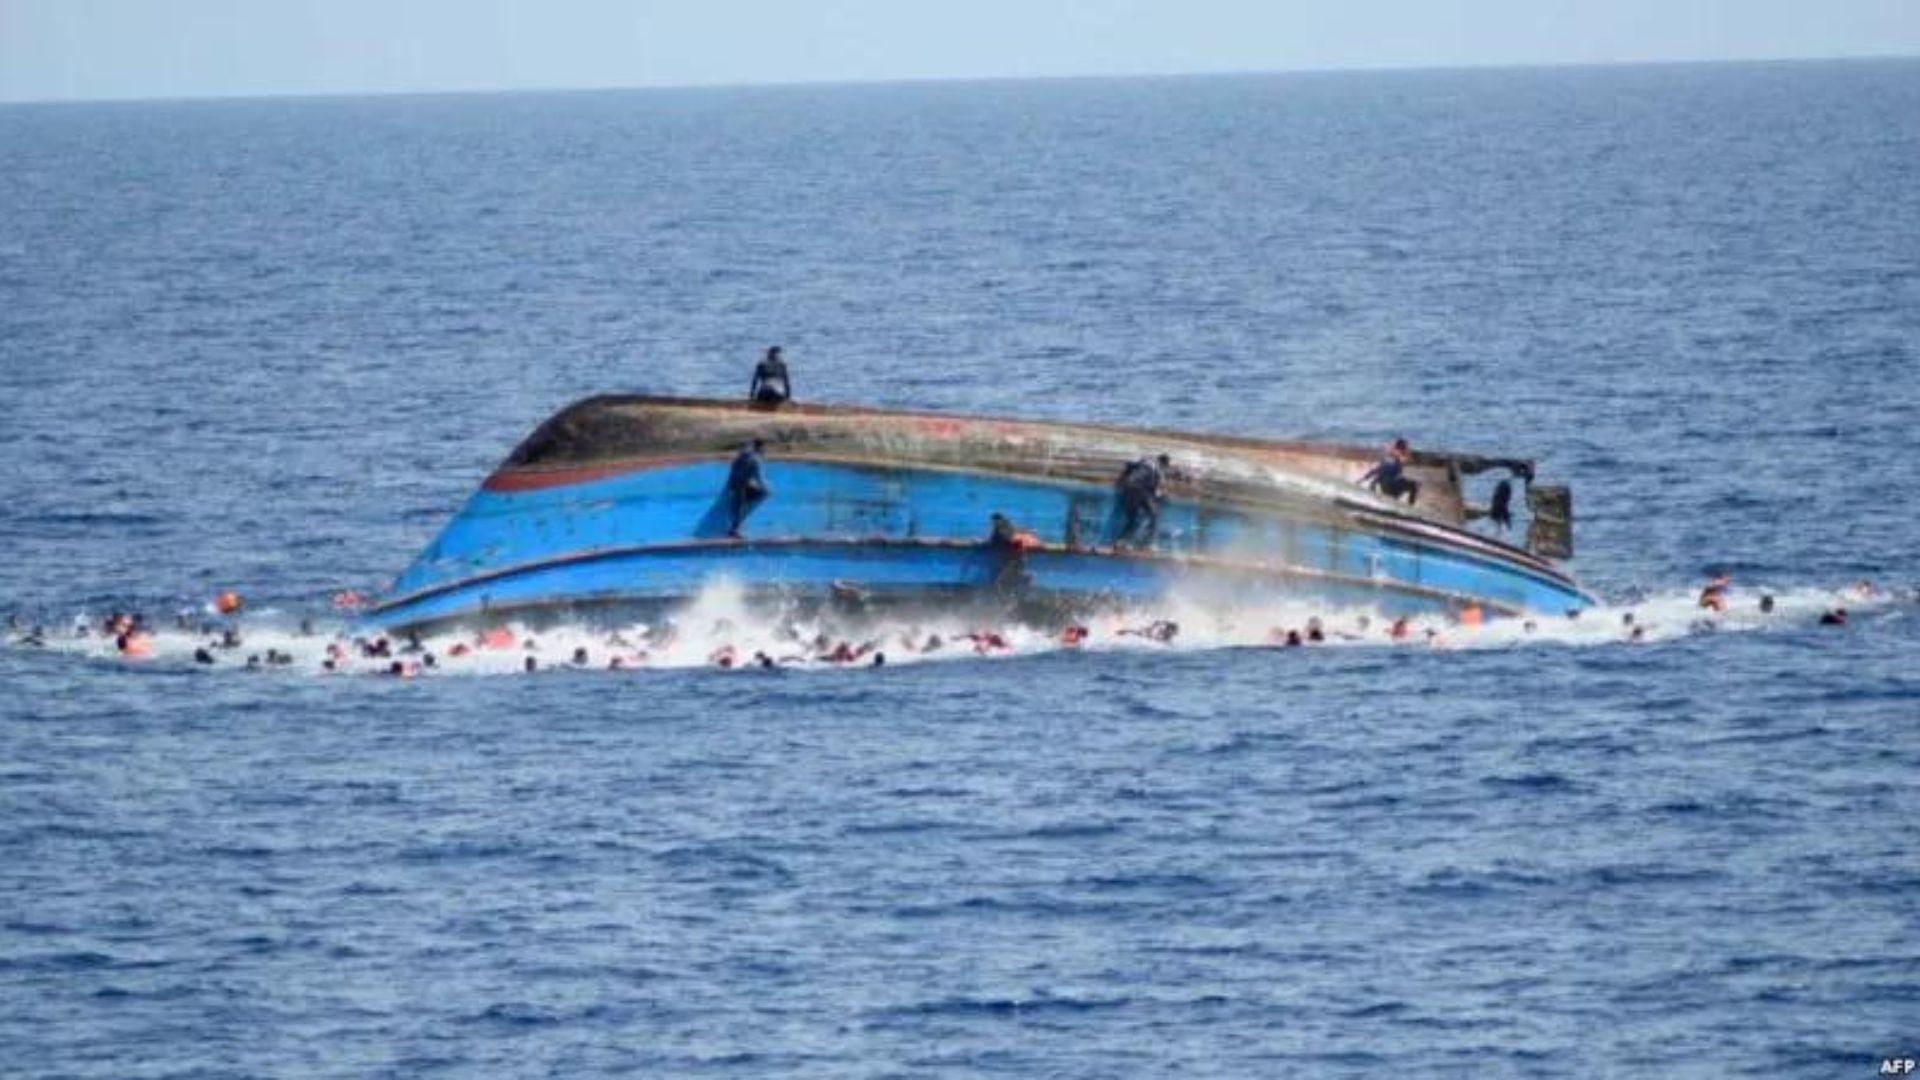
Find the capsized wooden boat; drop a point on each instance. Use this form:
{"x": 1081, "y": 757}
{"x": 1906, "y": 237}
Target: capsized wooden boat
{"x": 621, "y": 499}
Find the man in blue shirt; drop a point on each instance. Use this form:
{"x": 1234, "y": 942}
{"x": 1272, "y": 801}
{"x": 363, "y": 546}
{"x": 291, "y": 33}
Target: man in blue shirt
{"x": 1388, "y": 475}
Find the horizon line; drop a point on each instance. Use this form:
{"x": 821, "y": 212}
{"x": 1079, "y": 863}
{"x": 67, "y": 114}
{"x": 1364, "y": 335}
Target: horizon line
{"x": 939, "y": 80}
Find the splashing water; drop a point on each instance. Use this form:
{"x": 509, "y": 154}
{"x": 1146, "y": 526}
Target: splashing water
{"x": 721, "y": 628}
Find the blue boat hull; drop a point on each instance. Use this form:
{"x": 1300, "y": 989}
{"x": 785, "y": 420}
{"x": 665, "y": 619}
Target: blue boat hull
{"x": 654, "y": 531}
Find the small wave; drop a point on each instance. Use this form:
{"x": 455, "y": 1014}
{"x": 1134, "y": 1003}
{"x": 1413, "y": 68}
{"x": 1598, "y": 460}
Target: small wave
{"x": 458, "y": 851}
{"x": 936, "y": 792}
{"x": 1069, "y": 830}
{"x": 1377, "y": 1010}
{"x": 1006, "y": 1007}
{"x": 715, "y": 862}
{"x": 170, "y": 992}
{"x": 905, "y": 828}
{"x": 243, "y": 851}
{"x": 515, "y": 1014}
{"x": 1182, "y": 884}
{"x": 1240, "y": 949}
{"x": 1452, "y": 885}
{"x": 1456, "y": 883}
{"x": 1547, "y": 781}
{"x": 95, "y": 520}
{"x": 1044, "y": 906}
{"x": 1647, "y": 874}
{"x": 81, "y": 960}
{"x": 15, "y": 926}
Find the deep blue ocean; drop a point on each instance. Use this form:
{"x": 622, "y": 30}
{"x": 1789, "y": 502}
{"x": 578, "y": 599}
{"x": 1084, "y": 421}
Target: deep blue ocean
{"x": 270, "y": 345}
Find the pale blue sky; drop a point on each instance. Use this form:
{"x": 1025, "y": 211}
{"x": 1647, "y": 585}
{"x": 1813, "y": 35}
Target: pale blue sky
{"x": 84, "y": 49}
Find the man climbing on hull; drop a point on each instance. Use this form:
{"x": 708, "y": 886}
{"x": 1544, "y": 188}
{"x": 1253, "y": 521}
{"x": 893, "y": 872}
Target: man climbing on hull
{"x": 746, "y": 486}
{"x": 1388, "y": 475}
{"x": 1138, "y": 489}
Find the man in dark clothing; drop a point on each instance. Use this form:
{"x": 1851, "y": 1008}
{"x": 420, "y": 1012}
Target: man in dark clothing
{"x": 766, "y": 375}
{"x": 1388, "y": 475}
{"x": 1010, "y": 552}
{"x": 746, "y": 487}
{"x": 1000, "y": 538}
{"x": 1501, "y": 511}
{"x": 1139, "y": 491}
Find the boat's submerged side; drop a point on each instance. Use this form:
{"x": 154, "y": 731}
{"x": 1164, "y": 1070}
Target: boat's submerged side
{"x": 622, "y": 500}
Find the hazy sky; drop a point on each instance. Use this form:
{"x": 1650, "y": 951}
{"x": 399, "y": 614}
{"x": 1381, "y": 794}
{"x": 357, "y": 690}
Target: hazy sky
{"x": 66, "y": 49}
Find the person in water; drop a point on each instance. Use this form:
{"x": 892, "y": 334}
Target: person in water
{"x": 1714, "y": 595}
{"x": 746, "y": 486}
{"x": 1139, "y": 490}
{"x": 1161, "y": 630}
{"x": 771, "y": 383}
{"x": 1388, "y": 475}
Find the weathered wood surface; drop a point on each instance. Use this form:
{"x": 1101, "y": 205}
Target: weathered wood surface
{"x": 611, "y": 430}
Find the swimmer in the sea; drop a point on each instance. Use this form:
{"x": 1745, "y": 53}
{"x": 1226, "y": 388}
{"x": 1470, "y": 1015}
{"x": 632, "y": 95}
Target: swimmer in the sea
{"x": 1713, "y": 596}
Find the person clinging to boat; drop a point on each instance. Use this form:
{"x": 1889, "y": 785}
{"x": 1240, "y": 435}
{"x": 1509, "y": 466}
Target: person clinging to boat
{"x": 1005, "y": 536}
{"x": 1500, "y": 511}
{"x": 1388, "y": 475}
{"x": 746, "y": 485}
{"x": 1009, "y": 543}
{"x": 771, "y": 383}
{"x": 1138, "y": 488}
{"x": 1000, "y": 532}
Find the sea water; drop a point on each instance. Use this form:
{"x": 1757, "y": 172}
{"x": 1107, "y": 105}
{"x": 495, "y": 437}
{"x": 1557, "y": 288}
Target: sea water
{"x": 270, "y": 345}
